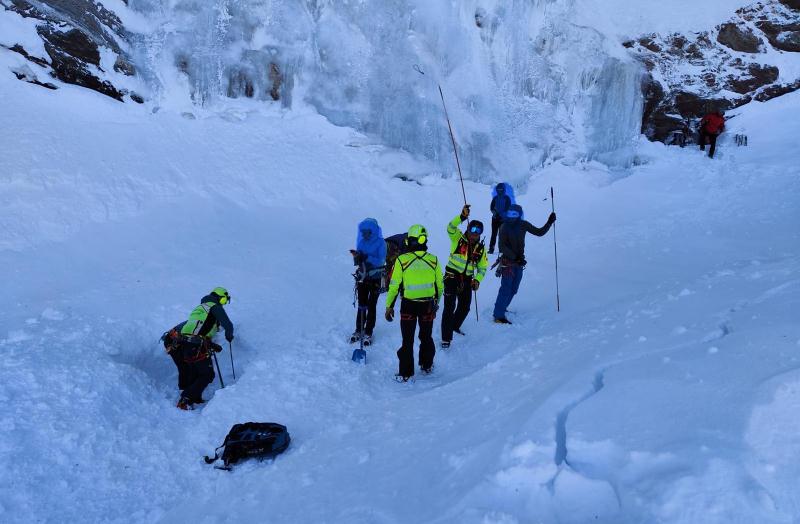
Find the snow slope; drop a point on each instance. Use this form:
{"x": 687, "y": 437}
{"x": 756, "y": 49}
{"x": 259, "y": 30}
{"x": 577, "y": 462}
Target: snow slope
{"x": 666, "y": 390}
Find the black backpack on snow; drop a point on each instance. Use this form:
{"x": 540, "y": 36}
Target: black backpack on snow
{"x": 251, "y": 439}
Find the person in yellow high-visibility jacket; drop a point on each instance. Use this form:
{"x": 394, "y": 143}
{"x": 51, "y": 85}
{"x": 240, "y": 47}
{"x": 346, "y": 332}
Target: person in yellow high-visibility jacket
{"x": 464, "y": 272}
{"x": 420, "y": 276}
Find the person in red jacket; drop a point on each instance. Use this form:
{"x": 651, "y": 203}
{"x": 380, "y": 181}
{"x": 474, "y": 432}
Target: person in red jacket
{"x": 710, "y": 127}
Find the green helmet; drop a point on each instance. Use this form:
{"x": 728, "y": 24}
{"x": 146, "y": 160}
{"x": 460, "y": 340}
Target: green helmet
{"x": 222, "y": 293}
{"x": 418, "y": 232}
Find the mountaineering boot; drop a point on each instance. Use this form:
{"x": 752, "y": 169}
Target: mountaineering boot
{"x": 184, "y": 404}
{"x": 502, "y": 321}
{"x": 445, "y": 344}
{"x": 354, "y": 337}
{"x": 427, "y": 371}
{"x": 367, "y": 340}
{"x": 459, "y": 332}
{"x": 400, "y": 378}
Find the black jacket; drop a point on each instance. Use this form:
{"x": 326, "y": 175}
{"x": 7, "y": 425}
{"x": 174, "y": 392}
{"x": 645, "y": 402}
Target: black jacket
{"x": 512, "y": 238}
{"x": 217, "y": 314}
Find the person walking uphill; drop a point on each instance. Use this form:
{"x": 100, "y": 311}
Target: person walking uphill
{"x": 370, "y": 257}
{"x": 196, "y": 344}
{"x": 711, "y": 126}
{"x": 512, "y": 257}
{"x": 502, "y": 200}
{"x": 464, "y": 272}
{"x": 419, "y": 274}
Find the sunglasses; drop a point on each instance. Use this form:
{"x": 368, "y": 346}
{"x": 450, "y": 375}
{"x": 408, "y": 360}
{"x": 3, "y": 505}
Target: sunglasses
{"x": 512, "y": 214}
{"x": 476, "y": 229}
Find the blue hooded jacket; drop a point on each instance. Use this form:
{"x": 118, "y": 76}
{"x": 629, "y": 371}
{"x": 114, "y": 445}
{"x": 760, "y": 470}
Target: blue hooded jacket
{"x": 372, "y": 249}
{"x": 499, "y": 206}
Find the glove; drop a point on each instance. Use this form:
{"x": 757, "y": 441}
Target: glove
{"x": 475, "y": 284}
{"x": 551, "y": 218}
{"x": 229, "y": 336}
{"x": 389, "y": 314}
{"x": 465, "y": 212}
{"x": 435, "y": 306}
{"x": 216, "y": 347}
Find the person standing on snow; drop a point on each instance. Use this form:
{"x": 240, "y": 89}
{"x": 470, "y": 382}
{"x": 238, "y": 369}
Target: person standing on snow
{"x": 196, "y": 344}
{"x": 711, "y": 126}
{"x": 370, "y": 257}
{"x": 465, "y": 269}
{"x": 419, "y": 274}
{"x": 512, "y": 257}
{"x": 502, "y": 199}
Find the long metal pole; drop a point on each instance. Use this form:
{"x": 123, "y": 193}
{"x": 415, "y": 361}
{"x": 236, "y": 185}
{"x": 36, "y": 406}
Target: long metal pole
{"x": 555, "y": 250}
{"x": 233, "y": 369}
{"x": 219, "y": 373}
{"x": 455, "y": 149}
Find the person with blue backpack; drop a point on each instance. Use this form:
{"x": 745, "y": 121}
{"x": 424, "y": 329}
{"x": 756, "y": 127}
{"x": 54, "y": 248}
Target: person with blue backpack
{"x": 502, "y": 200}
{"x": 512, "y": 256}
{"x": 370, "y": 257}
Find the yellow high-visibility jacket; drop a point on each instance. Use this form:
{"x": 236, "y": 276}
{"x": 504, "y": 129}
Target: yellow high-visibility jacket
{"x": 420, "y": 275}
{"x": 459, "y": 245}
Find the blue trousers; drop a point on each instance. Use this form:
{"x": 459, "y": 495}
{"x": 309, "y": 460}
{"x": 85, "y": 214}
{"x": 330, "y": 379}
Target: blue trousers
{"x": 509, "y": 285}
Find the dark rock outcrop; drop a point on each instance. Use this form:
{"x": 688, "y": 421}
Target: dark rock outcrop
{"x": 739, "y": 38}
{"x": 723, "y": 68}
{"x": 74, "y": 33}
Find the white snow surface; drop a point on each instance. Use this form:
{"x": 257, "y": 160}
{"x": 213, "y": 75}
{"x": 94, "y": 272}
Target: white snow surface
{"x": 666, "y": 390}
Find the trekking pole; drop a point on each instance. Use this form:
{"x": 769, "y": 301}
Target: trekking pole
{"x": 555, "y": 249}
{"x": 219, "y": 373}
{"x": 230, "y": 347}
{"x": 452, "y": 138}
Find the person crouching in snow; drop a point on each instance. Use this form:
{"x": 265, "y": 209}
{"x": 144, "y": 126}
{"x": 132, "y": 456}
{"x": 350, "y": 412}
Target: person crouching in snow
{"x": 196, "y": 344}
{"x": 370, "y": 257}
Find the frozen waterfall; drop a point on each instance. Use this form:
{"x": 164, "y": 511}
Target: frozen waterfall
{"x": 524, "y": 85}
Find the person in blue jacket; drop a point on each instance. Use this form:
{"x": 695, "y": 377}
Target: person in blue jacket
{"x": 370, "y": 257}
{"x": 502, "y": 200}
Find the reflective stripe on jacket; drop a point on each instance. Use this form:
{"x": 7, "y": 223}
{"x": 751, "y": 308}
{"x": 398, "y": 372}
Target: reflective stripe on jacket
{"x": 459, "y": 244}
{"x": 420, "y": 275}
{"x": 197, "y": 319}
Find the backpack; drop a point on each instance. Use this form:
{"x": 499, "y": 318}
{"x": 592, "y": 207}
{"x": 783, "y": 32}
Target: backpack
{"x": 251, "y": 439}
{"x": 171, "y": 339}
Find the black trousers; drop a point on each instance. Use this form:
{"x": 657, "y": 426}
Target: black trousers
{"x": 368, "y": 293}
{"x": 199, "y": 371}
{"x": 413, "y": 312}
{"x": 198, "y": 376}
{"x": 496, "y": 221}
{"x": 177, "y": 358}
{"x": 457, "y": 299}
{"x": 712, "y": 139}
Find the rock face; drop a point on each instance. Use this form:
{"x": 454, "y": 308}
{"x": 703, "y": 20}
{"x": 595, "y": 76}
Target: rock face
{"x": 75, "y": 34}
{"x": 722, "y": 68}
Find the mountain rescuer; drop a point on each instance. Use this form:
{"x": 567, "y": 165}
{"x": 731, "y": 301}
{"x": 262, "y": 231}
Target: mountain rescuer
{"x": 196, "y": 345}
{"x": 419, "y": 274}
{"x": 711, "y": 126}
{"x": 502, "y": 199}
{"x": 512, "y": 257}
{"x": 370, "y": 257}
{"x": 464, "y": 272}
